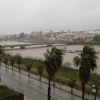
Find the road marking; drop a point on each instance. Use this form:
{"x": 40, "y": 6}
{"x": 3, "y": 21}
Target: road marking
{"x": 30, "y": 85}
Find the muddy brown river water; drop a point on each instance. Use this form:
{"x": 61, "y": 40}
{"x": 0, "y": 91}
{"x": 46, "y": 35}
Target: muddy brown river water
{"x": 37, "y": 52}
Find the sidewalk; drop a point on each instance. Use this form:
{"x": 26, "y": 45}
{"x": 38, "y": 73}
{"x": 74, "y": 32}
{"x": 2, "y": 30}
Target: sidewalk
{"x": 57, "y": 85}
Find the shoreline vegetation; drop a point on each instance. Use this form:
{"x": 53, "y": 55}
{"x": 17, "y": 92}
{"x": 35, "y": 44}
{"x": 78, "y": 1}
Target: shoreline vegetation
{"x": 8, "y": 93}
{"x": 63, "y": 74}
{"x": 81, "y": 42}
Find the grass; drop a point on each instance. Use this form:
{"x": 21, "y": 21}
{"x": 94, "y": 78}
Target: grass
{"x": 5, "y": 91}
{"x": 63, "y": 74}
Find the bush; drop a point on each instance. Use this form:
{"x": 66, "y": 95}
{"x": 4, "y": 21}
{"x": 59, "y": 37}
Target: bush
{"x": 9, "y": 94}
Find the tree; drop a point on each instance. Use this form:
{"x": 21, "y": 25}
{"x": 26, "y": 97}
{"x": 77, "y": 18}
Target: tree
{"x": 86, "y": 62}
{"x": 19, "y": 61}
{"x": 12, "y": 61}
{"x": 97, "y": 37}
{"x": 40, "y": 70}
{"x": 67, "y": 64}
{"x": 71, "y": 83}
{"x": 28, "y": 67}
{"x": 0, "y": 60}
{"x": 6, "y": 61}
{"x": 53, "y": 60}
{"x": 1, "y": 50}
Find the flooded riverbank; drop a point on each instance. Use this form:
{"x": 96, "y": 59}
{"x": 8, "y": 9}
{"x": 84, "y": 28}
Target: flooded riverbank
{"x": 38, "y": 52}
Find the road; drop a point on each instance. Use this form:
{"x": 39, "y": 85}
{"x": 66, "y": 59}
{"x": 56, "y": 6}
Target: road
{"x": 32, "y": 88}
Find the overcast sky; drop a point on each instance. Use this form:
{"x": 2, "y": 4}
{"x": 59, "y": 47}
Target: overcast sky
{"x": 44, "y": 15}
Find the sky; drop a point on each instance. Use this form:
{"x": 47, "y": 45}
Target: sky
{"x": 18, "y": 16}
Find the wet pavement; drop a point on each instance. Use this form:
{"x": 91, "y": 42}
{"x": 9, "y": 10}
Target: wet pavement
{"x": 34, "y": 89}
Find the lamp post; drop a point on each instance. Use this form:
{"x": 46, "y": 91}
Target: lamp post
{"x": 60, "y": 79}
{"x": 94, "y": 91}
{"x": 0, "y": 77}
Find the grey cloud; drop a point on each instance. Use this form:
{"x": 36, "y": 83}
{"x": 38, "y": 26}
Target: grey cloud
{"x": 34, "y": 15}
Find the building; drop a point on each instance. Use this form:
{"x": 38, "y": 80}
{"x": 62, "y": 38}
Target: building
{"x": 33, "y": 34}
{"x": 22, "y": 35}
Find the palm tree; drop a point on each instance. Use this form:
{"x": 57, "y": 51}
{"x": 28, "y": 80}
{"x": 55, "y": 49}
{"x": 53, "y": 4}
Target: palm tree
{"x": 19, "y": 61}
{"x": 86, "y": 62}
{"x": 53, "y": 60}
{"x": 6, "y": 61}
{"x": 40, "y": 70}
{"x": 71, "y": 83}
{"x": 57, "y": 59}
{"x": 12, "y": 61}
{"x": 28, "y": 67}
{"x": 0, "y": 60}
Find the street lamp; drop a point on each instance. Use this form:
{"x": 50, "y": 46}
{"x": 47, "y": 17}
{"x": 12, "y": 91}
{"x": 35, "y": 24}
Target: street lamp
{"x": 94, "y": 91}
{"x": 0, "y": 77}
{"x": 60, "y": 79}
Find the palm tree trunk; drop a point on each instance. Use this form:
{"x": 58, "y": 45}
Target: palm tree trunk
{"x": 12, "y": 67}
{"x": 49, "y": 90}
{"x": 28, "y": 74}
{"x": 71, "y": 90}
{"x": 40, "y": 77}
{"x": 83, "y": 90}
{"x": 19, "y": 68}
{"x": 54, "y": 81}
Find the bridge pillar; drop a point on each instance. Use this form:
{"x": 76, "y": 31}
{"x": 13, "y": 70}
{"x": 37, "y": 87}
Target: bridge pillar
{"x": 49, "y": 45}
{"x": 12, "y": 46}
{"x": 22, "y": 47}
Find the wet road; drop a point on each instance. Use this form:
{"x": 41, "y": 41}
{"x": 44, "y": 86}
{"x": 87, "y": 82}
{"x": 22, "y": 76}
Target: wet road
{"x": 32, "y": 88}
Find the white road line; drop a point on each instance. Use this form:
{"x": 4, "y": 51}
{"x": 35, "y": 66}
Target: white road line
{"x": 30, "y": 85}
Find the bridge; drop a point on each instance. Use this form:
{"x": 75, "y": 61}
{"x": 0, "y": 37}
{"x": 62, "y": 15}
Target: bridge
{"x": 23, "y": 46}
{"x": 9, "y": 39}
{"x": 16, "y": 39}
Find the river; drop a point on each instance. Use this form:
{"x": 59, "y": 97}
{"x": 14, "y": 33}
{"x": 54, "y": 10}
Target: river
{"x": 38, "y": 52}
